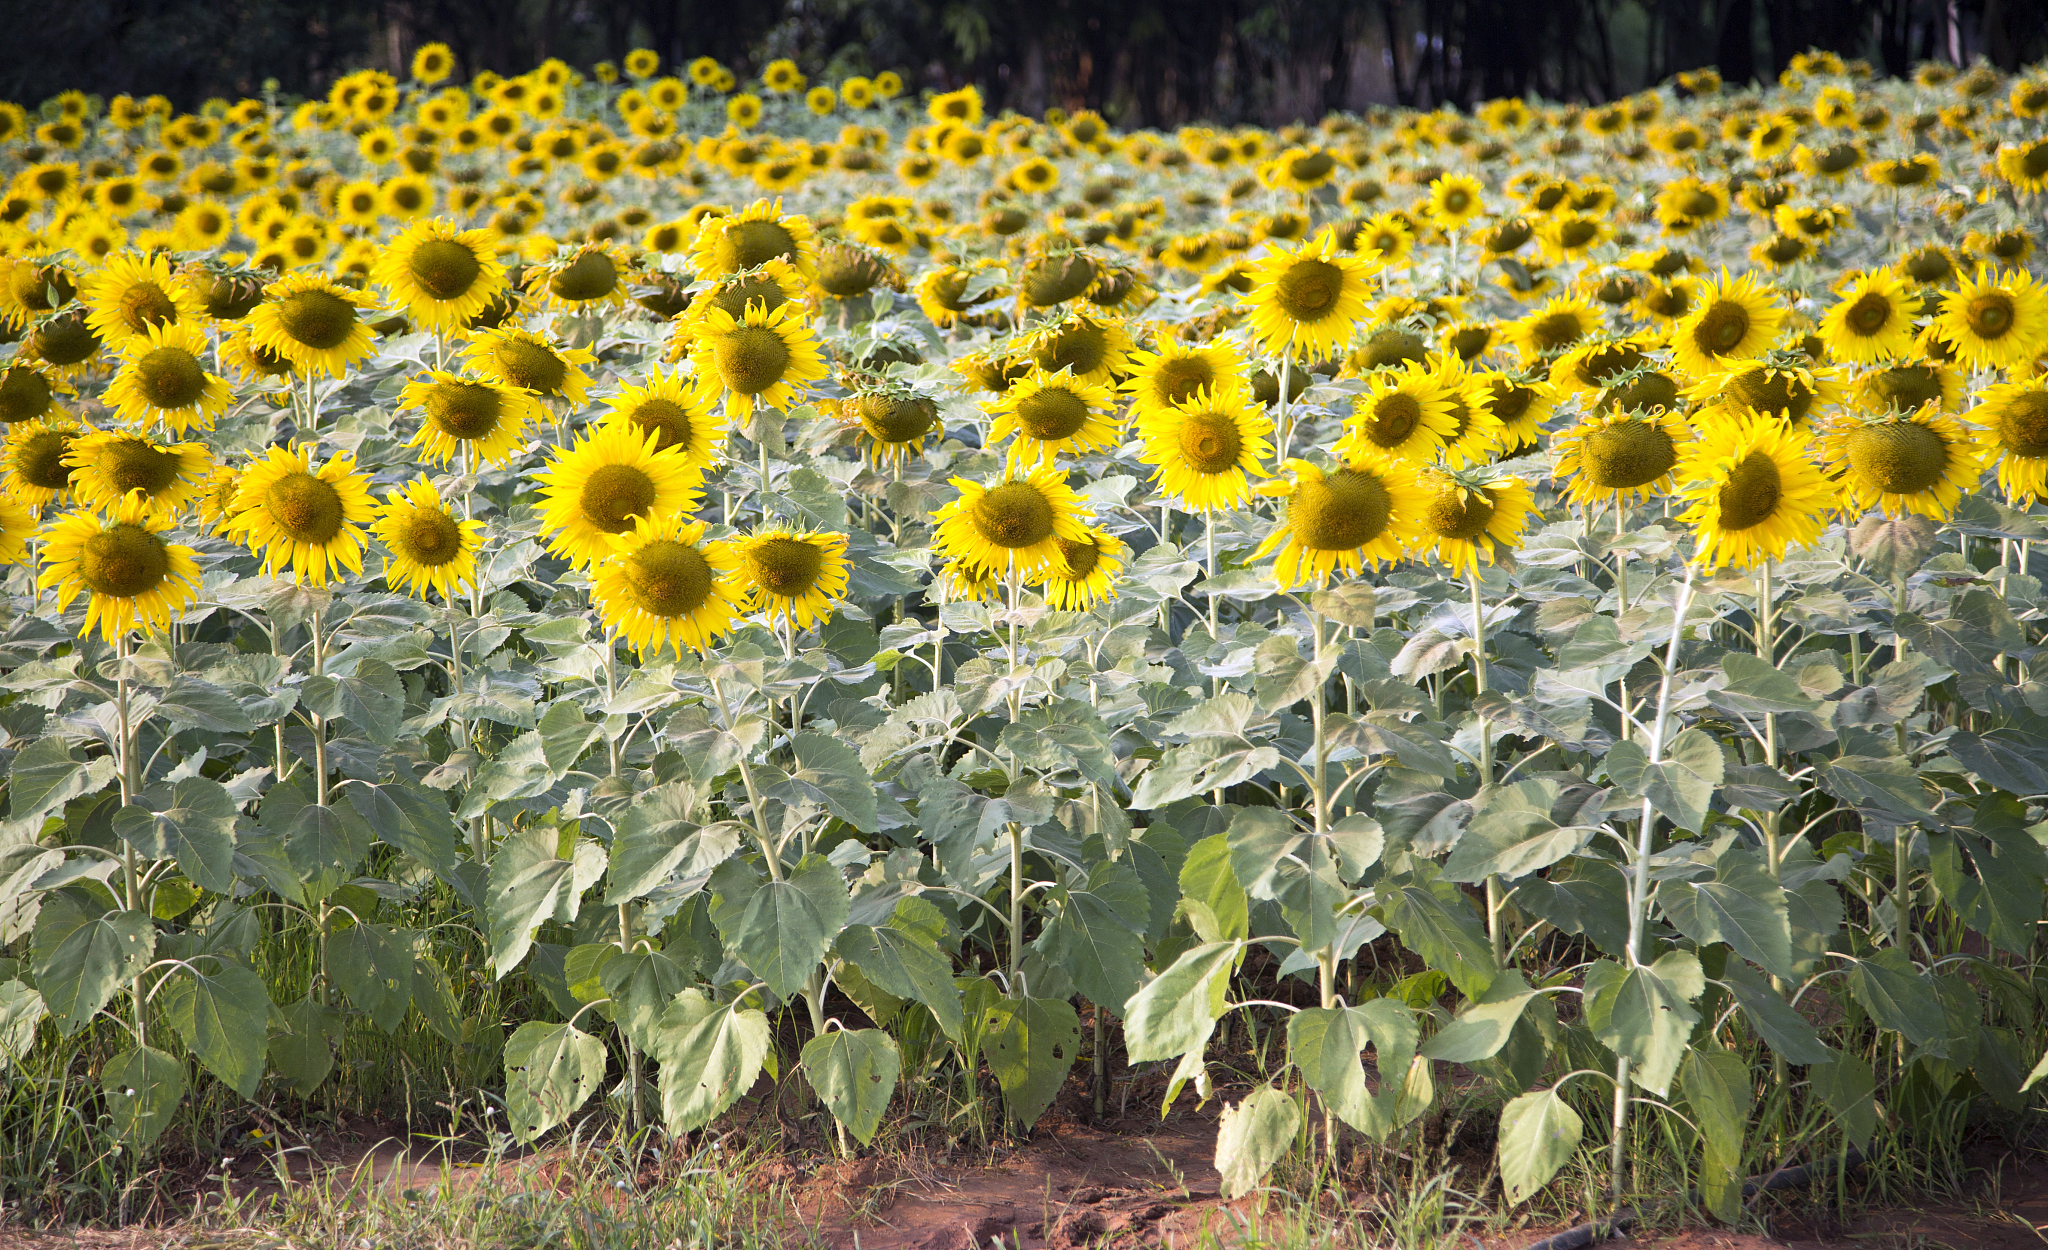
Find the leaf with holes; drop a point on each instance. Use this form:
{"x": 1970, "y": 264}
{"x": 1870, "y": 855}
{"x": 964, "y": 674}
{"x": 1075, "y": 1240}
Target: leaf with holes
{"x": 854, "y": 1072}
{"x": 550, "y": 1069}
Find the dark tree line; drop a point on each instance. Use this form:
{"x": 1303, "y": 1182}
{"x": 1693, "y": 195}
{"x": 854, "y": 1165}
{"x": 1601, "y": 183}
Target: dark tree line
{"x": 1143, "y": 62}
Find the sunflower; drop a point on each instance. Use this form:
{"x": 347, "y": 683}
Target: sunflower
{"x": 1872, "y": 321}
{"x": 1568, "y": 237}
{"x": 1054, "y": 412}
{"x": 1618, "y": 454}
{"x": 1556, "y": 325}
{"x": 1520, "y": 404}
{"x": 1015, "y": 524}
{"x": 584, "y": 276}
{"x": 1754, "y": 493}
{"x": 134, "y": 579}
{"x": 675, "y": 413}
{"x": 314, "y": 322}
{"x": 793, "y": 574}
{"x": 766, "y": 358}
{"x": 17, "y": 524}
{"x": 440, "y": 273}
{"x": 1097, "y": 349}
{"x": 1307, "y": 301}
{"x": 457, "y": 412}
{"x": 1455, "y": 201}
{"x": 1996, "y": 320}
{"x": 946, "y": 293}
{"x": 1917, "y": 462}
{"x": 1177, "y": 371}
{"x": 1405, "y": 413}
{"x": 217, "y": 497}
{"x": 514, "y": 357}
{"x": 612, "y": 475}
{"x": 1476, "y": 434}
{"x": 2014, "y": 417}
{"x": 2025, "y": 165}
{"x": 1204, "y": 448}
{"x": 1783, "y": 384}
{"x": 664, "y": 586}
{"x": 130, "y": 294}
{"x": 1384, "y": 239}
{"x": 35, "y": 458}
{"x": 255, "y": 363}
{"x": 1732, "y": 320}
{"x": 962, "y": 580}
{"x": 767, "y": 286}
{"x": 758, "y": 234}
{"x": 1593, "y": 365}
{"x": 894, "y": 424}
{"x": 311, "y": 519}
{"x": 430, "y": 547}
{"x": 107, "y": 465}
{"x": 28, "y": 394}
{"x": 1363, "y": 511}
{"x": 1083, "y": 573}
{"x": 164, "y": 378}
{"x": 1472, "y": 516}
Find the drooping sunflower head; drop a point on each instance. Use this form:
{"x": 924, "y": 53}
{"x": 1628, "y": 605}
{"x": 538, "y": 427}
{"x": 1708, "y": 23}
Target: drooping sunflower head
{"x": 664, "y": 586}
{"x": 134, "y": 578}
{"x": 163, "y": 378}
{"x": 894, "y": 424}
{"x": 1364, "y": 511}
{"x": 1733, "y": 320}
{"x": 1470, "y": 516}
{"x": 611, "y": 476}
{"x": 28, "y": 393}
{"x": 1205, "y": 448}
{"x": 1083, "y": 573}
{"x": 1405, "y": 413}
{"x": 768, "y": 286}
{"x": 1918, "y": 462}
{"x": 314, "y": 322}
{"x": 751, "y": 238}
{"x": 769, "y": 358}
{"x": 1177, "y": 371}
{"x": 1054, "y": 412}
{"x": 675, "y": 413}
{"x": 440, "y": 273}
{"x": 307, "y": 518}
{"x": 1014, "y": 524}
{"x": 1520, "y": 404}
{"x": 793, "y": 575}
{"x": 587, "y": 275}
{"x": 131, "y": 294}
{"x": 1096, "y": 348}
{"x": 514, "y": 357}
{"x": 1307, "y": 301}
{"x": 1598, "y": 363}
{"x": 1995, "y": 319}
{"x": 1754, "y": 491}
{"x": 1618, "y": 454}
{"x": 1783, "y": 384}
{"x": 457, "y": 412}
{"x": 2014, "y": 418}
{"x": 109, "y": 465}
{"x": 430, "y": 547}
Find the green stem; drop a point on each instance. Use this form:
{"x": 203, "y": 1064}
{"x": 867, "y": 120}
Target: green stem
{"x": 131, "y": 868}
{"x": 761, "y": 834}
{"x": 1495, "y": 935}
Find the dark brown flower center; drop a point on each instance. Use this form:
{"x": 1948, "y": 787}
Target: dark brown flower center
{"x": 1626, "y": 455}
{"x": 123, "y": 561}
{"x": 1345, "y": 510}
{"x": 444, "y": 268}
{"x": 1394, "y": 418}
{"x": 588, "y": 277}
{"x": 430, "y": 537}
{"x": 1901, "y": 458}
{"x": 1015, "y": 514}
{"x": 1722, "y": 328}
{"x": 1308, "y": 289}
{"x": 1869, "y": 314}
{"x": 1990, "y": 315}
{"x": 464, "y": 410}
{"x": 788, "y": 567}
{"x": 755, "y": 243}
{"x": 1455, "y": 512}
{"x": 668, "y": 578}
{"x": 169, "y": 377}
{"x": 1752, "y": 492}
{"x": 614, "y": 494}
{"x": 2023, "y": 425}
{"x": 1051, "y": 413}
{"x": 307, "y": 508}
{"x": 319, "y": 319}
{"x": 751, "y": 359}
{"x": 525, "y": 363}
{"x": 24, "y": 395}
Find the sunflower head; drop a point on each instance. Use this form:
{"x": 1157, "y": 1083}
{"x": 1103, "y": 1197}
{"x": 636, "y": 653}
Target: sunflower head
{"x": 794, "y": 574}
{"x": 1754, "y": 492}
{"x": 132, "y": 576}
{"x": 26, "y": 393}
{"x": 1920, "y": 462}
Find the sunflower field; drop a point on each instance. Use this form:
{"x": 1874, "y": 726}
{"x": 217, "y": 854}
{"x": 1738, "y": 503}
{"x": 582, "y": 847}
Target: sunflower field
{"x": 595, "y": 589}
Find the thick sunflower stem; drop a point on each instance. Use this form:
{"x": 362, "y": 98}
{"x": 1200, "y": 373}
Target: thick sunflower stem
{"x": 633, "y": 1098}
{"x": 1617, "y": 1145}
{"x": 611, "y": 692}
{"x": 761, "y": 834}
{"x": 1639, "y": 875}
{"x": 131, "y": 867}
{"x": 1767, "y": 651}
{"x": 1016, "y": 589}
{"x": 319, "y": 721}
{"x": 1620, "y": 559}
{"x": 1495, "y": 899}
{"x": 1016, "y": 905}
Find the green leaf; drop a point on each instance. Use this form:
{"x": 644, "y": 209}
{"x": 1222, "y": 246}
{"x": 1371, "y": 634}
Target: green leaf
{"x": 408, "y": 818}
{"x": 656, "y": 840}
{"x": 1716, "y": 1085}
{"x": 1885, "y": 788}
{"x": 2034, "y": 1077}
{"x": 901, "y": 964}
{"x": 1215, "y": 901}
{"x": 1680, "y": 785}
{"x": 47, "y": 774}
{"x": 1646, "y": 1014}
{"x": 708, "y": 1061}
{"x": 1176, "y": 1012}
{"x": 192, "y": 821}
{"x": 302, "y": 1041}
{"x": 325, "y": 843}
{"x": 21, "y": 1009}
{"x": 565, "y": 735}
{"x": 1436, "y": 921}
{"x": 1482, "y": 1025}
{"x": 1893, "y": 547}
{"x": 1784, "y": 1030}
{"x": 1849, "y": 1088}
{"x": 1898, "y": 996}
{"x": 1538, "y": 1132}
{"x": 833, "y": 770}
{"x": 1096, "y": 937}
{"x": 142, "y": 1090}
{"x": 82, "y": 955}
{"x": 530, "y": 883}
{"x": 641, "y": 985}
{"x": 783, "y": 928}
{"x": 372, "y": 698}
{"x": 372, "y": 963}
{"x": 1756, "y": 686}
{"x": 854, "y": 1072}
{"x": 1253, "y": 1136}
{"x": 549, "y": 1070}
{"x": 1512, "y": 835}
{"x": 1742, "y": 906}
{"x": 194, "y": 704}
{"x": 1029, "y": 1045}
{"x": 1326, "y": 1044}
{"x": 223, "y": 1016}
